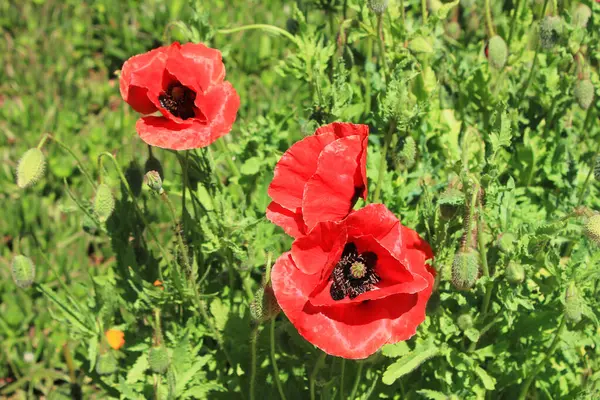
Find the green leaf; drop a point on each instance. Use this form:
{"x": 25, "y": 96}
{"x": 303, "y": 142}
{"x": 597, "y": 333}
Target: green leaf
{"x": 409, "y": 363}
{"x": 220, "y": 311}
{"x": 488, "y": 382}
{"x": 92, "y": 352}
{"x": 445, "y": 9}
{"x": 251, "y": 166}
{"x": 432, "y": 394}
{"x": 75, "y": 318}
{"x": 137, "y": 371}
{"x": 420, "y": 45}
{"x": 395, "y": 350}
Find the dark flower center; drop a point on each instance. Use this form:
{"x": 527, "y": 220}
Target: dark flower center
{"x": 354, "y": 274}
{"x": 178, "y": 100}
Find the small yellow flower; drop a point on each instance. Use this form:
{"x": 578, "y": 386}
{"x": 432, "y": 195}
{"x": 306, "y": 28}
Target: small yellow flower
{"x": 115, "y": 338}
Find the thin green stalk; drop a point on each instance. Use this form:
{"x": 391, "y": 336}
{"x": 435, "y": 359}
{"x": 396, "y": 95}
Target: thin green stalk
{"x": 356, "y": 381}
{"x": 43, "y": 141}
{"x": 484, "y": 265}
{"x": 469, "y": 220}
{"x": 314, "y": 373}
{"x": 228, "y": 157}
{"x": 530, "y": 75}
{"x": 342, "y": 395}
{"x": 424, "y": 11}
{"x": 587, "y": 178}
{"x": 403, "y": 14}
{"x": 263, "y": 27}
{"x": 488, "y": 18}
{"x": 253, "y": 340}
{"x": 550, "y": 118}
{"x": 274, "y": 360}
{"x": 383, "y": 162}
{"x": 513, "y": 22}
{"x": 368, "y": 59}
{"x": 68, "y": 150}
{"x": 549, "y": 353}
{"x": 382, "y": 46}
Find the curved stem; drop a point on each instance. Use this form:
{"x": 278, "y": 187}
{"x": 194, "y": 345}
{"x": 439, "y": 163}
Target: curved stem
{"x": 68, "y": 150}
{"x": 382, "y": 163}
{"x": 530, "y": 75}
{"x": 342, "y": 396}
{"x": 314, "y": 373}
{"x": 274, "y": 360}
{"x": 356, "y": 381}
{"x": 253, "y": 340}
{"x": 548, "y": 354}
{"x": 488, "y": 18}
{"x": 513, "y": 22}
{"x": 263, "y": 27}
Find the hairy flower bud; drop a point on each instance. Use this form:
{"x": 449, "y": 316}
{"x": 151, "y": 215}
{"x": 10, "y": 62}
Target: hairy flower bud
{"x": 106, "y": 364}
{"x": 23, "y": 271}
{"x": 158, "y": 359}
{"x": 465, "y": 269}
{"x": 104, "y": 202}
{"x": 450, "y": 202}
{"x": 581, "y": 15}
{"x": 264, "y": 306}
{"x": 153, "y": 164}
{"x": 409, "y": 152}
{"x": 515, "y": 273}
{"x": 592, "y": 228}
{"x": 464, "y": 322}
{"x": 573, "y": 304}
{"x": 154, "y": 181}
{"x": 584, "y": 93}
{"x": 506, "y": 242}
{"x": 378, "y": 6}
{"x": 551, "y": 28}
{"x": 497, "y": 52}
{"x": 31, "y": 168}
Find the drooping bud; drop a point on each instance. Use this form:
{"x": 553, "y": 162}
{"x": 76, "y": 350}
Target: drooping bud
{"x": 153, "y": 164}
{"x": 378, "y": 6}
{"x": 154, "y": 181}
{"x": 506, "y": 242}
{"x": 551, "y": 28}
{"x": 581, "y": 15}
{"x": 264, "y": 306}
{"x": 515, "y": 273}
{"x": 584, "y": 93}
{"x": 497, "y": 52}
{"x": 104, "y": 202}
{"x": 464, "y": 322}
{"x": 23, "y": 271}
{"x": 106, "y": 364}
{"x": 592, "y": 228}
{"x": 158, "y": 359}
{"x": 573, "y": 304}
{"x": 465, "y": 269}
{"x": 451, "y": 202}
{"x": 31, "y": 168}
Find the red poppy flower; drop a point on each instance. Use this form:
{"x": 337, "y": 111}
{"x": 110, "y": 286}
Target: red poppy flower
{"x": 350, "y": 287}
{"x": 319, "y": 178}
{"x": 185, "y": 83}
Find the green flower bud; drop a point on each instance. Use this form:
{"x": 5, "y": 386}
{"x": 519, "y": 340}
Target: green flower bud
{"x": 378, "y": 6}
{"x": 23, "y": 271}
{"x": 453, "y": 30}
{"x": 451, "y": 202}
{"x": 465, "y": 269}
{"x": 158, "y": 359}
{"x": 497, "y": 52}
{"x": 409, "y": 152}
{"x": 581, "y": 15}
{"x": 506, "y": 242}
{"x": 104, "y": 203}
{"x": 153, "y": 164}
{"x": 515, "y": 273}
{"x": 154, "y": 181}
{"x": 551, "y": 28}
{"x": 264, "y": 306}
{"x": 31, "y": 168}
{"x": 573, "y": 304}
{"x": 464, "y": 322}
{"x": 584, "y": 93}
{"x": 592, "y": 228}
{"x": 106, "y": 364}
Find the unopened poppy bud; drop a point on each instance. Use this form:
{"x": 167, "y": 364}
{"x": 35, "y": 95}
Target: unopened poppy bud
{"x": 153, "y": 164}
{"x": 378, "y": 6}
{"x": 592, "y": 228}
{"x": 264, "y": 306}
{"x": 465, "y": 269}
{"x": 23, "y": 271}
{"x": 573, "y": 304}
{"x": 154, "y": 181}
{"x": 31, "y": 168}
{"x": 104, "y": 202}
{"x": 515, "y": 273}
{"x": 497, "y": 52}
{"x": 582, "y": 15}
{"x": 158, "y": 359}
{"x": 584, "y": 93}
{"x": 106, "y": 364}
{"x": 506, "y": 242}
{"x": 451, "y": 202}
{"x": 464, "y": 322}
{"x": 550, "y": 31}
{"x": 409, "y": 152}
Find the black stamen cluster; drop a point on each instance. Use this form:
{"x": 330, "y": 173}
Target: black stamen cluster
{"x": 179, "y": 101}
{"x": 344, "y": 283}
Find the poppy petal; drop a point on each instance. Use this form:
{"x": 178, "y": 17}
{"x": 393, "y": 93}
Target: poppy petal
{"x": 219, "y": 105}
{"x": 207, "y": 64}
{"x": 313, "y": 252}
{"x": 376, "y": 220}
{"x": 291, "y": 222}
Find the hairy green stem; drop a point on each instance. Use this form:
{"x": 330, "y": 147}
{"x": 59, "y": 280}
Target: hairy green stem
{"x": 253, "y": 340}
{"x": 530, "y": 75}
{"x": 382, "y": 46}
{"x": 383, "y": 162}
{"x": 228, "y": 157}
{"x": 342, "y": 395}
{"x": 274, "y": 360}
{"x": 68, "y": 150}
{"x": 488, "y": 18}
{"x": 314, "y": 373}
{"x": 547, "y": 355}
{"x": 586, "y": 183}
{"x": 263, "y": 27}
{"x": 424, "y": 11}
{"x": 513, "y": 22}
{"x": 368, "y": 59}
{"x": 356, "y": 381}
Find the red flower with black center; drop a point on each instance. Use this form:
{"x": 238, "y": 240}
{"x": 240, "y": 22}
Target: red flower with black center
{"x": 319, "y": 178}
{"x": 350, "y": 287}
{"x": 185, "y": 84}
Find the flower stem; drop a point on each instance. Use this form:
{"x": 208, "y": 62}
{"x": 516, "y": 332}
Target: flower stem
{"x": 586, "y": 183}
{"x": 342, "y": 396}
{"x": 356, "y": 381}
{"x": 253, "y": 340}
{"x": 274, "y": 360}
{"x": 68, "y": 150}
{"x": 549, "y": 353}
{"x": 263, "y": 27}
{"x": 488, "y": 18}
{"x": 382, "y": 46}
{"x": 530, "y": 75}
{"x": 314, "y": 373}
{"x": 228, "y": 157}
{"x": 513, "y": 22}
{"x": 424, "y": 10}
{"x": 368, "y": 59}
{"x": 382, "y": 162}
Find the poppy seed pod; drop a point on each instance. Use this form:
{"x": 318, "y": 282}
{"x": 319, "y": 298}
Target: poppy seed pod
{"x": 154, "y": 181}
{"x": 464, "y": 322}
{"x": 264, "y": 306}
{"x": 515, "y": 273}
{"x": 592, "y": 228}
{"x": 378, "y": 6}
{"x": 584, "y": 93}
{"x": 497, "y": 52}
{"x": 573, "y": 304}
{"x": 154, "y": 164}
{"x": 550, "y": 30}
{"x": 450, "y": 202}
{"x": 581, "y": 15}
{"x": 506, "y": 242}
{"x": 104, "y": 202}
{"x": 107, "y": 364}
{"x": 158, "y": 359}
{"x": 31, "y": 168}
{"x": 23, "y": 271}
{"x": 465, "y": 269}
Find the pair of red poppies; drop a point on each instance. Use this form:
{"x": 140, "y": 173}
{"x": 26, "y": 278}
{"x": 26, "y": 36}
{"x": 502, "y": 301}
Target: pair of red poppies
{"x": 353, "y": 280}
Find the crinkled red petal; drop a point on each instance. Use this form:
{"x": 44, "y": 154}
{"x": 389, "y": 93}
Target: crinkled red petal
{"x": 313, "y": 252}
{"x": 376, "y": 220}
{"x": 291, "y": 222}
{"x": 207, "y": 65}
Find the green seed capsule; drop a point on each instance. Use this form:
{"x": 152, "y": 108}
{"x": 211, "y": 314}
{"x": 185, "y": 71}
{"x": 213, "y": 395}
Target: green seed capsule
{"x": 592, "y": 228}
{"x": 515, "y": 273}
{"x": 551, "y": 28}
{"x": 497, "y": 52}
{"x": 506, "y": 242}
{"x": 451, "y": 202}
{"x": 154, "y": 181}
{"x": 264, "y": 306}
{"x": 107, "y": 364}
{"x": 465, "y": 269}
{"x": 464, "y": 322}
{"x": 104, "y": 203}
{"x": 158, "y": 359}
{"x": 573, "y": 304}
{"x": 23, "y": 271}
{"x": 453, "y": 30}
{"x": 584, "y": 93}
{"x": 31, "y": 168}
{"x": 378, "y": 6}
